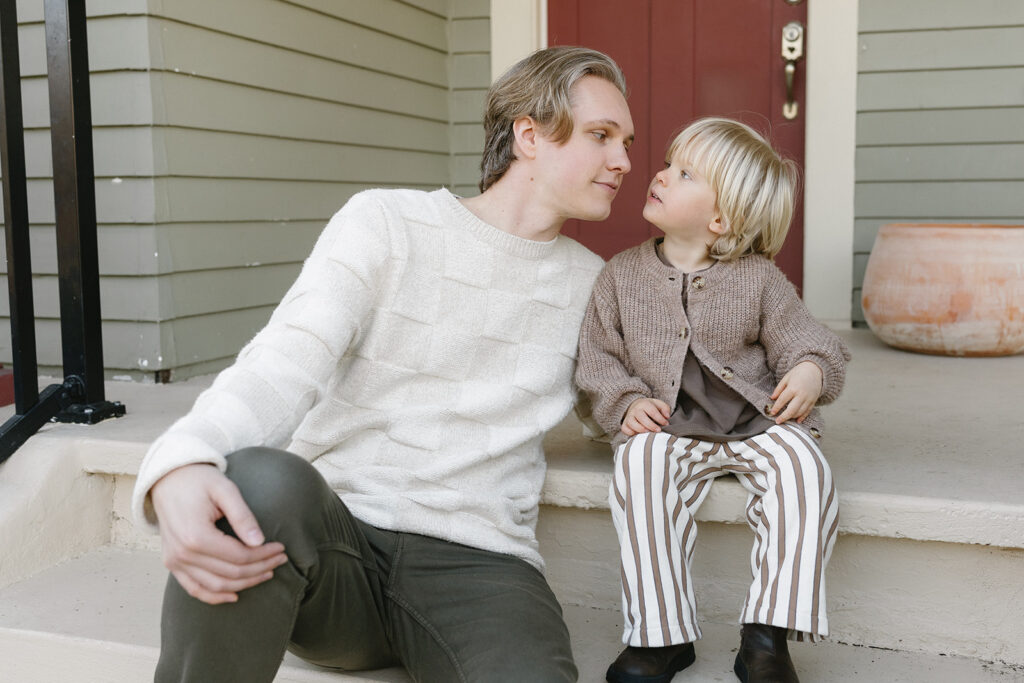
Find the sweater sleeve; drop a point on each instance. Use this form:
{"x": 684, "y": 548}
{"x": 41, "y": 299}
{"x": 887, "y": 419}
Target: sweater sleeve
{"x": 283, "y": 371}
{"x": 602, "y": 371}
{"x": 791, "y": 335}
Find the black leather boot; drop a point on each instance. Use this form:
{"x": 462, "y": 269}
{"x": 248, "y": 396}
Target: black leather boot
{"x": 764, "y": 656}
{"x": 650, "y": 664}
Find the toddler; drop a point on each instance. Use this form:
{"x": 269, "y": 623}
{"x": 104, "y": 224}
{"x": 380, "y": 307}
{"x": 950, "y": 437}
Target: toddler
{"x": 700, "y": 358}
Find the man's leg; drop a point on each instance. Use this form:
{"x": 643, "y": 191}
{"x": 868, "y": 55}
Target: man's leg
{"x": 325, "y": 604}
{"x": 460, "y": 614}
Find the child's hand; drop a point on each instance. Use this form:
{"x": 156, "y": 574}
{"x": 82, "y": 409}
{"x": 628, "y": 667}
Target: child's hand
{"x": 645, "y": 415}
{"x": 798, "y": 392}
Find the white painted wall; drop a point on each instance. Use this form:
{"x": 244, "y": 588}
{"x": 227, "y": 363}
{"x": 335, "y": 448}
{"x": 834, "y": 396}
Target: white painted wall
{"x": 518, "y": 27}
{"x": 829, "y": 159}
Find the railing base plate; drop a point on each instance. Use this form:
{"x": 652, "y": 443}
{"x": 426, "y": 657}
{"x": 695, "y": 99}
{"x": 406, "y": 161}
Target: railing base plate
{"x": 89, "y": 413}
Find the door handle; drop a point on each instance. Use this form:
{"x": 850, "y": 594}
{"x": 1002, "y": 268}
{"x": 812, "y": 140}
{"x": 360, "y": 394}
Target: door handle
{"x": 792, "y": 52}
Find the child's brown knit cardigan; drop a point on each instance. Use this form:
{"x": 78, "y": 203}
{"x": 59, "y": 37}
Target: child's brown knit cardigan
{"x": 745, "y": 323}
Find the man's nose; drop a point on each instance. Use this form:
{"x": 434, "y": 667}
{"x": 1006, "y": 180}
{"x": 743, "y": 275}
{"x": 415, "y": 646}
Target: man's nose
{"x": 620, "y": 161}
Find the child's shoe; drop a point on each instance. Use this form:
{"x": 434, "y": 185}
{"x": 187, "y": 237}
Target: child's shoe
{"x": 650, "y": 664}
{"x": 764, "y": 656}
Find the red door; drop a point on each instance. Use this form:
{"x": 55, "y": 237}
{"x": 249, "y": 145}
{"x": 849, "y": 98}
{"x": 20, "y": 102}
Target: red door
{"x": 684, "y": 59}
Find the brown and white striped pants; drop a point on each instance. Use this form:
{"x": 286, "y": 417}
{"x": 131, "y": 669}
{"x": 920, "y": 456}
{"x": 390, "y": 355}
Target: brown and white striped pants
{"x": 659, "y": 482}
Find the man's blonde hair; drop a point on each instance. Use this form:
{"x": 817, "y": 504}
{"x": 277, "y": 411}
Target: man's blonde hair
{"x": 755, "y": 187}
{"x": 539, "y": 87}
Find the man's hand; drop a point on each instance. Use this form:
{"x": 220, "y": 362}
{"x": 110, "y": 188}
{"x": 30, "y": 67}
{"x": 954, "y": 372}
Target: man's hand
{"x": 645, "y": 415}
{"x": 210, "y": 565}
{"x": 797, "y": 392}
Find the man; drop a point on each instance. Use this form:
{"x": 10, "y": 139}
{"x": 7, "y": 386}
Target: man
{"x": 417, "y": 362}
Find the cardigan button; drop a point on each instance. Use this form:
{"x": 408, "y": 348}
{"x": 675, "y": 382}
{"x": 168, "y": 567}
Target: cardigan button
{"x": 726, "y": 373}
{"x": 684, "y": 333}
{"x": 814, "y": 432}
{"x": 768, "y": 409}
{"x": 698, "y": 282}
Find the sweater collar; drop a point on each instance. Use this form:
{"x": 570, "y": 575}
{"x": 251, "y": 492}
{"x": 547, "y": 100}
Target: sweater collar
{"x": 485, "y": 232}
{"x": 653, "y": 263}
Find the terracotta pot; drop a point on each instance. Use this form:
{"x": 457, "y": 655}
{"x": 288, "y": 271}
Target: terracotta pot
{"x": 956, "y": 290}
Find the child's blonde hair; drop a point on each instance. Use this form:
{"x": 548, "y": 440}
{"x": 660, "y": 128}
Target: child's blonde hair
{"x": 755, "y": 187}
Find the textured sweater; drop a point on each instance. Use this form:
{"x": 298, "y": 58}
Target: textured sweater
{"x": 743, "y": 321}
{"x": 417, "y": 362}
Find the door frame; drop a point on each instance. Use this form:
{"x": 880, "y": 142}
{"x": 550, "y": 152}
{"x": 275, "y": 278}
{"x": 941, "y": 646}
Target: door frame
{"x": 520, "y": 26}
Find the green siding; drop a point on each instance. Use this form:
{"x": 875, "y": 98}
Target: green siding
{"x": 225, "y": 135}
{"x": 940, "y": 120}
{"x": 917, "y": 15}
{"x": 471, "y": 76}
{"x": 938, "y": 127}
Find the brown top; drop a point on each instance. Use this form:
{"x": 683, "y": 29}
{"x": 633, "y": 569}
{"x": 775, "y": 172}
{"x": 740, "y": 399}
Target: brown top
{"x": 706, "y": 407}
{"x": 743, "y": 322}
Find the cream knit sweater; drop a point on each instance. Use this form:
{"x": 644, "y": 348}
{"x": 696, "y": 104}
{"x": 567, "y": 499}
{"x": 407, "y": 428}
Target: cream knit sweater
{"x": 417, "y": 362}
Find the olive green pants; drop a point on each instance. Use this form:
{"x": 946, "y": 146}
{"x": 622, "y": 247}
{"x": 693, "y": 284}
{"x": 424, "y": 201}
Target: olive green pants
{"x": 356, "y": 597}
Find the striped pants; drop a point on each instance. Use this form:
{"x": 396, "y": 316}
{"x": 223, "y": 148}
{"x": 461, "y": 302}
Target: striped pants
{"x": 659, "y": 483}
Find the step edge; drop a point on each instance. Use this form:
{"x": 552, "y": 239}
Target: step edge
{"x": 860, "y": 513}
{"x": 13, "y": 637}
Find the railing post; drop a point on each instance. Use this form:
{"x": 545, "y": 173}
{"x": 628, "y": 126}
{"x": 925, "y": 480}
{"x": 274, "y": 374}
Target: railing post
{"x": 19, "y": 254}
{"x": 74, "y": 191}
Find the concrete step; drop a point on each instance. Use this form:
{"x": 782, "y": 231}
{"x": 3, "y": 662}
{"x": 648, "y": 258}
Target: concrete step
{"x": 926, "y": 453}
{"x": 95, "y": 619}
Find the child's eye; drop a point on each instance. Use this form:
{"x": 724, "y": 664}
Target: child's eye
{"x": 684, "y": 174}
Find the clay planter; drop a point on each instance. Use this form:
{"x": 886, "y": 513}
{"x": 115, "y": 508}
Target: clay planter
{"x": 955, "y": 290}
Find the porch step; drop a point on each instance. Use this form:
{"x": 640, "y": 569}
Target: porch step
{"x": 926, "y": 453}
{"x": 95, "y": 619}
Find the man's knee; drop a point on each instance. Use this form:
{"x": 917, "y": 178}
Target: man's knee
{"x": 282, "y": 490}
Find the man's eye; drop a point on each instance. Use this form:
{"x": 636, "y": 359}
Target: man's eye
{"x": 599, "y": 134}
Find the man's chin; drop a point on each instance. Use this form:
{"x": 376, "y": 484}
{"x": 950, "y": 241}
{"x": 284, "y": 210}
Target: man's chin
{"x": 596, "y": 214}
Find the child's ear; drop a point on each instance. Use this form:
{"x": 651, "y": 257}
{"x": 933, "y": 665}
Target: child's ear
{"x": 524, "y": 129}
{"x": 717, "y": 225}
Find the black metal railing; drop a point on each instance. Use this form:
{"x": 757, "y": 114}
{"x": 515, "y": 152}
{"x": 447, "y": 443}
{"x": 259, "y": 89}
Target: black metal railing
{"x": 80, "y": 398}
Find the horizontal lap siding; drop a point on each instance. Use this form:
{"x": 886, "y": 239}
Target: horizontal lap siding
{"x": 940, "y": 121}
{"x": 471, "y": 75}
{"x": 226, "y": 134}
{"x": 123, "y": 160}
{"x": 303, "y": 105}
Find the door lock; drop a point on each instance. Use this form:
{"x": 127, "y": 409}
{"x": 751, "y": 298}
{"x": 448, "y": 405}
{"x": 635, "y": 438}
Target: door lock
{"x": 792, "y": 52}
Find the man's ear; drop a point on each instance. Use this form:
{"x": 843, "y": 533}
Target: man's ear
{"x": 526, "y": 132}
